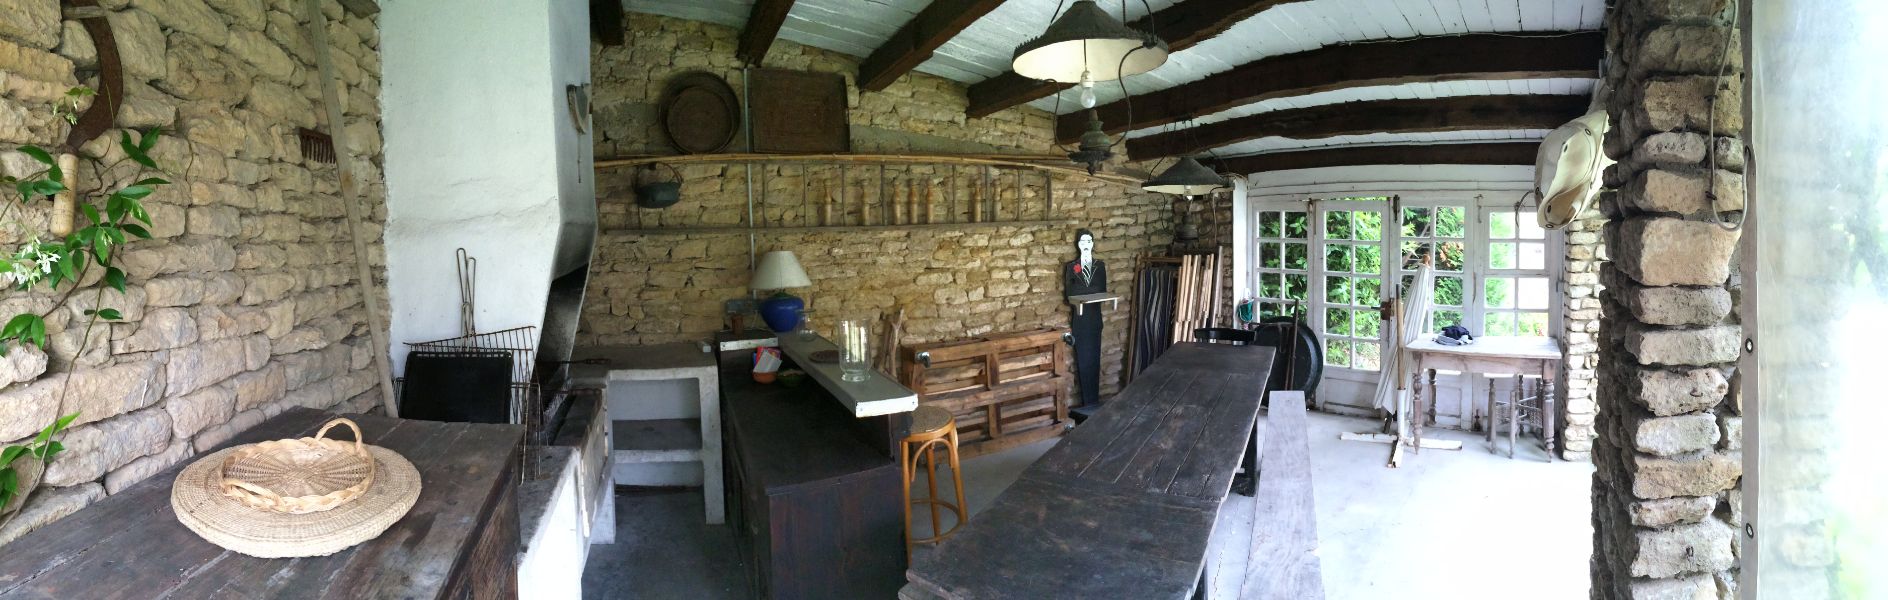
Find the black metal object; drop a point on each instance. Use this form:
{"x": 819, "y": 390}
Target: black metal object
{"x": 1301, "y": 361}
{"x": 457, "y": 385}
{"x": 1236, "y": 337}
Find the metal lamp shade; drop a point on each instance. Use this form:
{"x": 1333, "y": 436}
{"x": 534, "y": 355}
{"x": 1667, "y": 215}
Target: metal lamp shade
{"x": 1187, "y": 178}
{"x": 1087, "y": 39}
{"x": 779, "y": 270}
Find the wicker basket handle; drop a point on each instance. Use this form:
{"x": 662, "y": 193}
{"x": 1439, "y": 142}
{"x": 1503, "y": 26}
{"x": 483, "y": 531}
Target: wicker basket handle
{"x": 273, "y": 498}
{"x": 360, "y": 447}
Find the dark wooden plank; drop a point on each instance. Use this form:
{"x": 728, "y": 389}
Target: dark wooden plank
{"x": 1490, "y": 153}
{"x": 1451, "y": 58}
{"x": 1283, "y": 564}
{"x": 1075, "y": 452}
{"x": 606, "y": 21}
{"x": 913, "y": 44}
{"x": 1460, "y": 113}
{"x": 1181, "y": 25}
{"x": 763, "y": 26}
{"x": 1206, "y": 471}
{"x": 1167, "y": 438}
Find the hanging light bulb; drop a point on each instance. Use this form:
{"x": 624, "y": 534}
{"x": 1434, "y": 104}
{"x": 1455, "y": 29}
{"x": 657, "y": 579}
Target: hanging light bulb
{"x": 1088, "y": 90}
{"x": 1086, "y": 37}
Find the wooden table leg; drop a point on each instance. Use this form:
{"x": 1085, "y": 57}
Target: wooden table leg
{"x": 1549, "y": 433}
{"x": 1488, "y": 414}
{"x": 1515, "y": 397}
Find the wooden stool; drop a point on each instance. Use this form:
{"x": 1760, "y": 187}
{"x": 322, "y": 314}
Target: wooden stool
{"x": 931, "y": 427}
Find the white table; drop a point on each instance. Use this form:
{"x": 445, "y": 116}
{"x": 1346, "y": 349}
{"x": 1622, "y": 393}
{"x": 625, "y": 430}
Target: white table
{"x": 1494, "y": 355}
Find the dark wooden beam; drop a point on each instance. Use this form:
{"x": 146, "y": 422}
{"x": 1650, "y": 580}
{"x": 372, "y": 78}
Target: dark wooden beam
{"x": 361, "y": 8}
{"x": 940, "y": 21}
{"x": 1181, "y": 25}
{"x": 763, "y": 26}
{"x": 606, "y": 21}
{"x": 1454, "y": 58}
{"x": 1490, "y": 153}
{"x": 1461, "y": 113}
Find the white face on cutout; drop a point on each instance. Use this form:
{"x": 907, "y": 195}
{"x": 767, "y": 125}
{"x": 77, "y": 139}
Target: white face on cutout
{"x": 1086, "y": 244}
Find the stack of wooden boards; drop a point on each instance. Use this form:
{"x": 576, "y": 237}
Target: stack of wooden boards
{"x": 1196, "y": 303}
{"x": 1005, "y": 390}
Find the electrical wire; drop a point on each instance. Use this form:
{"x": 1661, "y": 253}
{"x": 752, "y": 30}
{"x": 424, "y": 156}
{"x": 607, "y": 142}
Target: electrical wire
{"x": 1711, "y": 131}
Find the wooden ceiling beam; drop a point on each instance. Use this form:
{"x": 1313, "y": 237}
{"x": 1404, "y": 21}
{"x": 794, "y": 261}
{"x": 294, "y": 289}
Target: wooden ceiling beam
{"x": 763, "y": 27}
{"x": 1459, "y": 113}
{"x": 1181, "y": 25}
{"x": 606, "y": 21}
{"x": 1421, "y": 60}
{"x": 940, "y": 21}
{"x": 1490, "y": 153}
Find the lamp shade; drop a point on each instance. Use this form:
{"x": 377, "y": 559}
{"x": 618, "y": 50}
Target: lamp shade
{"x": 778, "y": 270}
{"x": 1087, "y": 39}
{"x": 1187, "y": 178}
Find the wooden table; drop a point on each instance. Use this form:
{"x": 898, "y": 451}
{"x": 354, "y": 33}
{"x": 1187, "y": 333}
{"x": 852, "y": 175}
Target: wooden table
{"x": 1123, "y": 507}
{"x": 459, "y": 541}
{"x": 1493, "y": 355}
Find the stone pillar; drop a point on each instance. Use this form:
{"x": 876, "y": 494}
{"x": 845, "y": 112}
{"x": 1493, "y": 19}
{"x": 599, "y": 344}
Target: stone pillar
{"x": 1667, "y": 474}
{"x": 1580, "y": 318}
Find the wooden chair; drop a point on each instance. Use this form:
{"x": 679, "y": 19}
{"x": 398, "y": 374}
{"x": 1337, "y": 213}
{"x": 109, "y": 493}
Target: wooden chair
{"x": 1215, "y": 335}
{"x": 1526, "y": 406}
{"x": 931, "y": 427}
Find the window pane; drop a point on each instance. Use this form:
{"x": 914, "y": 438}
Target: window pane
{"x": 1268, "y": 310}
{"x": 1445, "y": 318}
{"x": 1295, "y": 256}
{"x": 1337, "y": 353}
{"x": 1269, "y": 286}
{"x": 1449, "y": 257}
{"x": 1532, "y": 292}
{"x": 1337, "y": 290}
{"x": 1449, "y": 222}
{"x": 1413, "y": 253}
{"x": 1369, "y": 225}
{"x": 1269, "y": 256}
{"x": 1369, "y": 290}
{"x": 1449, "y": 292}
{"x": 1531, "y": 226}
{"x": 1501, "y": 256}
{"x": 1337, "y": 258}
{"x": 1367, "y": 324}
{"x": 1369, "y": 260}
{"x": 1416, "y": 222}
{"x": 1268, "y": 224}
{"x": 1533, "y": 256}
{"x": 1297, "y": 287}
{"x": 1533, "y": 323}
{"x": 1368, "y": 356}
{"x": 1498, "y": 323}
{"x": 1498, "y": 292}
{"x": 1337, "y": 225}
{"x": 1337, "y": 321}
{"x": 1297, "y": 225}
{"x": 1501, "y": 225}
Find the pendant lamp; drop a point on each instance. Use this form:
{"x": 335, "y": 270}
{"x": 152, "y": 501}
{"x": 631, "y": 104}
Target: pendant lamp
{"x": 1086, "y": 45}
{"x": 1187, "y": 178}
{"x": 1095, "y": 148}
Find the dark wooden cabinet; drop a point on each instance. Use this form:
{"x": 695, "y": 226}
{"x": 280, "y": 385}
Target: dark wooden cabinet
{"x": 814, "y": 502}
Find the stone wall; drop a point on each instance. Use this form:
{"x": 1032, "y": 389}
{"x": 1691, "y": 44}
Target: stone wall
{"x": 1580, "y": 326}
{"x": 1666, "y": 496}
{"x": 953, "y": 281}
{"x": 245, "y": 303}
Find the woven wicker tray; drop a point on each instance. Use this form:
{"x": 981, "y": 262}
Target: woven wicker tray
{"x": 299, "y": 476}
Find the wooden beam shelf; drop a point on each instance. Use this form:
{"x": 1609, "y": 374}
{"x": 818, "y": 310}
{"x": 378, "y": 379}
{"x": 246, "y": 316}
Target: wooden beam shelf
{"x": 1040, "y": 162}
{"x": 813, "y": 228}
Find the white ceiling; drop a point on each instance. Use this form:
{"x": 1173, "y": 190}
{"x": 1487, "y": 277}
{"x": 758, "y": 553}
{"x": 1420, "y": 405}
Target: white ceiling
{"x": 983, "y": 50}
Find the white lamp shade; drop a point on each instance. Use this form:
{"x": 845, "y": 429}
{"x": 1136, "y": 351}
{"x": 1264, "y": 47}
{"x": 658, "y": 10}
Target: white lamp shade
{"x": 1088, "y": 39}
{"x": 779, "y": 270}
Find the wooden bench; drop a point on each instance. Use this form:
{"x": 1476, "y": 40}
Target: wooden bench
{"x": 1283, "y": 561}
{"x": 1125, "y": 505}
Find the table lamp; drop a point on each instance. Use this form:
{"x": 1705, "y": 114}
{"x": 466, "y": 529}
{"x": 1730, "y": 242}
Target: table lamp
{"x": 779, "y": 270}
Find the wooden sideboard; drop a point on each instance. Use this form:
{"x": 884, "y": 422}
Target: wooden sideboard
{"x": 812, "y": 493}
{"x": 459, "y": 541}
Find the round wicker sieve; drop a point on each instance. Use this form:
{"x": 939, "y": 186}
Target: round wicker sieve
{"x": 299, "y": 476}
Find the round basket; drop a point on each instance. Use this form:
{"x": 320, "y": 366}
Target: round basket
{"x": 299, "y": 476}
{"x": 200, "y": 505}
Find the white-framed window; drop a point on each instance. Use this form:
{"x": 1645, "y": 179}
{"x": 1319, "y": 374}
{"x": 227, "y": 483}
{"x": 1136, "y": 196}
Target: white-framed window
{"x": 1351, "y": 282}
{"x": 1517, "y": 288}
{"x": 1283, "y": 270}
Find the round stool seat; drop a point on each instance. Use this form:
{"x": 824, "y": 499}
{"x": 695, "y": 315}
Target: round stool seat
{"x": 930, "y": 419}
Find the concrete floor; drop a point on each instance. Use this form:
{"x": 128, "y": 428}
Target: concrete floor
{"x": 1463, "y": 525}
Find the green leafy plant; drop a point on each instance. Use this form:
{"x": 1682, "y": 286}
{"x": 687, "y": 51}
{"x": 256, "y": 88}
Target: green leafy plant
{"x": 61, "y": 265}
{"x": 42, "y": 448}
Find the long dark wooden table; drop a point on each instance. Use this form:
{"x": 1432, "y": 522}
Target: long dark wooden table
{"x": 1123, "y": 507}
{"x": 459, "y": 541}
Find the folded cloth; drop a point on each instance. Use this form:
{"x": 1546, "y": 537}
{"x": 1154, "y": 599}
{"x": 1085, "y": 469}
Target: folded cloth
{"x": 1455, "y": 335}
